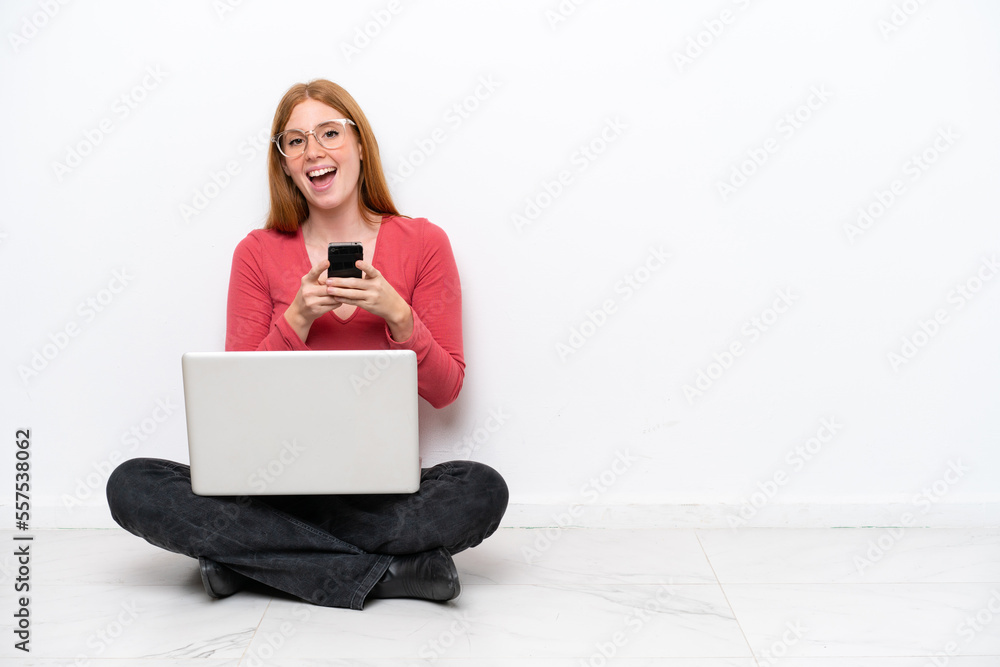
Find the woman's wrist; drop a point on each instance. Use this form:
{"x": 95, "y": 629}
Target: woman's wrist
{"x": 299, "y": 324}
{"x": 401, "y": 323}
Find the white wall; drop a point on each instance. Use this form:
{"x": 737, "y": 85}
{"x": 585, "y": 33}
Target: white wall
{"x": 164, "y": 98}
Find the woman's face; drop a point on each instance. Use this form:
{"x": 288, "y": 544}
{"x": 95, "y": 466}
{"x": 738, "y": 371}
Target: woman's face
{"x": 338, "y": 186}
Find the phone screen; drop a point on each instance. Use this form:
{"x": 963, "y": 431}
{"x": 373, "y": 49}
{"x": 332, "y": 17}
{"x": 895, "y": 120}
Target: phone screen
{"x": 342, "y": 257}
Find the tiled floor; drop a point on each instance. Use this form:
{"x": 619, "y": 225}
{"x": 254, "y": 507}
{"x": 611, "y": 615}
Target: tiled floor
{"x": 533, "y": 598}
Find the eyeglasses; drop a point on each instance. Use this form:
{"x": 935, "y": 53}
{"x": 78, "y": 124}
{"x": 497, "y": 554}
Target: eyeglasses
{"x": 292, "y": 143}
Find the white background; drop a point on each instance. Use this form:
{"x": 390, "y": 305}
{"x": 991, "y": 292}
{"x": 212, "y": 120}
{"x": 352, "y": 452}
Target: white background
{"x": 684, "y": 95}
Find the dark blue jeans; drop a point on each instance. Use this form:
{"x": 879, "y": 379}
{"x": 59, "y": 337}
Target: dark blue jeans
{"x": 329, "y": 550}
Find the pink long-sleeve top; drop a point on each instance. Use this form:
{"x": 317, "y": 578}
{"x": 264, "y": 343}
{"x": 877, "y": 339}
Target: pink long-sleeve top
{"x": 413, "y": 255}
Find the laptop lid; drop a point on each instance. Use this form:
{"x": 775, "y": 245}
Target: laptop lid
{"x": 310, "y": 422}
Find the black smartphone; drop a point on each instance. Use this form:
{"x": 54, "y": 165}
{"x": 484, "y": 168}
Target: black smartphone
{"x": 342, "y": 257}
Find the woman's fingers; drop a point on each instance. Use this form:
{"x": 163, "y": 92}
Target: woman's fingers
{"x": 316, "y": 271}
{"x": 373, "y": 292}
{"x": 370, "y": 271}
{"x": 313, "y": 293}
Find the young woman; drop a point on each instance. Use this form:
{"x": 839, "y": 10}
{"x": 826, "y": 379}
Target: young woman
{"x": 327, "y": 185}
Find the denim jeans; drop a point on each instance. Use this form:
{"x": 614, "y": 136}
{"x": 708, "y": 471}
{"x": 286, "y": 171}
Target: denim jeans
{"x": 328, "y": 550}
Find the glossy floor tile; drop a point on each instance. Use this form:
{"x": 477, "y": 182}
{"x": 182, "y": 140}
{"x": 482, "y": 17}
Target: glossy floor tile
{"x": 857, "y": 555}
{"x": 521, "y": 621}
{"x": 750, "y": 597}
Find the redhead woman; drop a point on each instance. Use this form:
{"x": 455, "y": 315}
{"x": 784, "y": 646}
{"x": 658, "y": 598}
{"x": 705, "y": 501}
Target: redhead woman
{"x": 327, "y": 185}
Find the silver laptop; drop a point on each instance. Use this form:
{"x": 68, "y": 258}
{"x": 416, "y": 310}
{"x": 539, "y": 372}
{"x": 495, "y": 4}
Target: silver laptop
{"x": 277, "y": 423}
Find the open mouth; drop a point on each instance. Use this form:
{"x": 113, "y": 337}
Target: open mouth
{"x": 320, "y": 178}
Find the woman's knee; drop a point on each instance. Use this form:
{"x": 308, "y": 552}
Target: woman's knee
{"x": 491, "y": 480}
{"x": 129, "y": 474}
{"x": 132, "y": 482}
{"x": 489, "y": 488}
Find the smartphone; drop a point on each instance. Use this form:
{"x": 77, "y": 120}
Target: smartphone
{"x": 342, "y": 257}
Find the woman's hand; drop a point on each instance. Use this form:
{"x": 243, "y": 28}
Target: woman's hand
{"x": 312, "y": 301}
{"x": 377, "y": 296}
